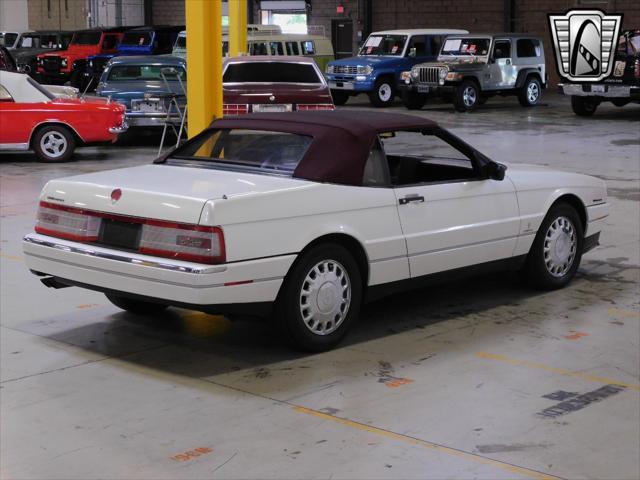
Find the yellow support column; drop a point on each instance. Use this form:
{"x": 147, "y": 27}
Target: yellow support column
{"x": 204, "y": 63}
{"x": 237, "y": 27}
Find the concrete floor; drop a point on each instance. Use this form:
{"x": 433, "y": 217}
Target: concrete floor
{"x": 466, "y": 380}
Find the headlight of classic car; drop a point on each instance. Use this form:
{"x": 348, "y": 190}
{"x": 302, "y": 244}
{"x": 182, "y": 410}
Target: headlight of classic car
{"x": 443, "y": 75}
{"x": 365, "y": 69}
{"x": 330, "y": 69}
{"x": 64, "y": 62}
{"x": 415, "y": 73}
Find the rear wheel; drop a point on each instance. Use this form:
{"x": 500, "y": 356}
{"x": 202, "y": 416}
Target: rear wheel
{"x": 320, "y": 298}
{"x": 530, "y": 93}
{"x": 54, "y": 143}
{"x": 135, "y": 306}
{"x": 382, "y": 95}
{"x": 339, "y": 97}
{"x": 467, "y": 96}
{"x": 414, "y": 100}
{"x": 556, "y": 252}
{"x": 584, "y": 106}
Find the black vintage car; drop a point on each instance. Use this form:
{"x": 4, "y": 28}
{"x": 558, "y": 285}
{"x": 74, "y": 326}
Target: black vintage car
{"x": 621, "y": 88}
{"x": 31, "y": 44}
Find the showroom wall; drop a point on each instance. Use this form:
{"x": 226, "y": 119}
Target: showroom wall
{"x": 13, "y": 15}
{"x": 79, "y": 14}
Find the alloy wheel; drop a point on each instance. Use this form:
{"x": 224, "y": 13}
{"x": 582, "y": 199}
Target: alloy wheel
{"x": 560, "y": 246}
{"x": 54, "y": 144}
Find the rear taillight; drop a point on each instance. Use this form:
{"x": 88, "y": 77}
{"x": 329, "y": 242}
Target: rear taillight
{"x": 636, "y": 68}
{"x": 315, "y": 106}
{"x": 193, "y": 243}
{"x": 183, "y": 242}
{"x": 235, "y": 108}
{"x": 69, "y": 223}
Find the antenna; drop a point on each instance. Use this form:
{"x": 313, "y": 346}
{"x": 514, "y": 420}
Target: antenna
{"x": 86, "y": 88}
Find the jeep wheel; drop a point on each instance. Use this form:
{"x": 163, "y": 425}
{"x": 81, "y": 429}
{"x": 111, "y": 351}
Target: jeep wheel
{"x": 414, "y": 100}
{"x": 382, "y": 95}
{"x": 467, "y": 96}
{"x": 584, "y": 106}
{"x": 339, "y": 97}
{"x": 529, "y": 95}
{"x": 54, "y": 143}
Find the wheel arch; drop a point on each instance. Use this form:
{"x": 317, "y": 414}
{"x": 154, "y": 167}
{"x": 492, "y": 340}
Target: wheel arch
{"x": 525, "y": 73}
{"x": 51, "y": 123}
{"x": 576, "y": 203}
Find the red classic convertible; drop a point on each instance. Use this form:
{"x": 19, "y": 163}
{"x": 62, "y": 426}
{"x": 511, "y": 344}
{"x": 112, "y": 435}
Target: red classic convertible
{"x": 33, "y": 117}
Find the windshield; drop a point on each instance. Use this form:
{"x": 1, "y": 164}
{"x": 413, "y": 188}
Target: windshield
{"x": 384, "y": 45}
{"x": 270, "y": 72}
{"x": 40, "y": 88}
{"x": 9, "y": 39}
{"x": 181, "y": 42}
{"x": 144, "y": 72}
{"x": 136, "y": 38}
{"x": 86, "y": 38}
{"x": 466, "y": 46}
{"x": 272, "y": 152}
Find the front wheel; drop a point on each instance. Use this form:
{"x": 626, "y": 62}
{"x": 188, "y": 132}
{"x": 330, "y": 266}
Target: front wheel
{"x": 529, "y": 95}
{"x": 414, "y": 100}
{"x": 584, "y": 106}
{"x": 136, "y": 307}
{"x": 339, "y": 97}
{"x": 556, "y": 252}
{"x": 320, "y": 298}
{"x": 382, "y": 95}
{"x": 54, "y": 144}
{"x": 467, "y": 96}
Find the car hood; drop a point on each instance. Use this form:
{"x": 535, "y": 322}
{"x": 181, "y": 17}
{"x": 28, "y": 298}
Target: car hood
{"x": 163, "y": 192}
{"x": 382, "y": 61}
{"x": 281, "y": 93}
{"x": 533, "y": 177}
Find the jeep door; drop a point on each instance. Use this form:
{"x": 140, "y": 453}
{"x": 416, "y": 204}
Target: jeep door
{"x": 502, "y": 72}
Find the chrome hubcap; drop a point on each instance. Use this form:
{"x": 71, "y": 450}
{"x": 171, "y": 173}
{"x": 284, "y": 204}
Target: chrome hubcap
{"x": 469, "y": 96}
{"x": 560, "y": 246}
{"x": 533, "y": 92}
{"x": 325, "y": 297}
{"x": 54, "y": 144}
{"x": 384, "y": 92}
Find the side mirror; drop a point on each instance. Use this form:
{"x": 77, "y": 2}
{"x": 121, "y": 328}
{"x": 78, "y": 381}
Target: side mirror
{"x": 496, "y": 171}
{"x": 412, "y": 52}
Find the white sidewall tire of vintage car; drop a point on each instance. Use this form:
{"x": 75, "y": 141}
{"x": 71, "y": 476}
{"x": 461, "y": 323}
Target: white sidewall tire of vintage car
{"x": 53, "y": 143}
{"x": 288, "y": 314}
{"x": 559, "y": 240}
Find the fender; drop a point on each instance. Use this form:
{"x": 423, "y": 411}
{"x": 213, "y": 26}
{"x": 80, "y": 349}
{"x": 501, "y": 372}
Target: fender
{"x": 522, "y": 76}
{"x": 54, "y": 121}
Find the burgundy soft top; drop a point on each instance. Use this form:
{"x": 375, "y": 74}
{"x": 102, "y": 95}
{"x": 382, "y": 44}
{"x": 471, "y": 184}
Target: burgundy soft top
{"x": 341, "y": 140}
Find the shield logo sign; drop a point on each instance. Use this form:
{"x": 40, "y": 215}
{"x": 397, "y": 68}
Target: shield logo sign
{"x": 584, "y": 44}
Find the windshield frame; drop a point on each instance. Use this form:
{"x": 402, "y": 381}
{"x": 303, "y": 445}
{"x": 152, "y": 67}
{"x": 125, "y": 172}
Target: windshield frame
{"x": 402, "y": 53}
{"x": 458, "y": 55}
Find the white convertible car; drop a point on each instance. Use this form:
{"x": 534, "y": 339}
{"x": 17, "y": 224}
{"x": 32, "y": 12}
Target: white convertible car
{"x": 303, "y": 216}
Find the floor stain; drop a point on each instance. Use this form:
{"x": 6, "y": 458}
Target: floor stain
{"x": 514, "y": 447}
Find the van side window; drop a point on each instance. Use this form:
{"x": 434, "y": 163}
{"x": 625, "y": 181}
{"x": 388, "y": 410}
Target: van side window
{"x": 276, "y": 48}
{"x": 292, "y": 48}
{"x": 258, "y": 48}
{"x": 528, "y": 47}
{"x": 308, "y": 47}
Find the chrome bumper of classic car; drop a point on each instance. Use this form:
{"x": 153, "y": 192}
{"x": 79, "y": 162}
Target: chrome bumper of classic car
{"x": 121, "y": 129}
{"x": 600, "y": 90}
{"x": 167, "y": 280}
{"x": 149, "y": 119}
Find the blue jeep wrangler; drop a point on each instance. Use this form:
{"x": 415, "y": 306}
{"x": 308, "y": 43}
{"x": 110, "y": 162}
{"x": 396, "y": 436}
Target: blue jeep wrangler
{"x": 381, "y": 59}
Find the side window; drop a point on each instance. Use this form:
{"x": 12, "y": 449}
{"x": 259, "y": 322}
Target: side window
{"x": 4, "y": 95}
{"x": 258, "y": 48}
{"x": 276, "y": 48}
{"x": 527, "y": 47}
{"x": 65, "y": 41}
{"x": 292, "y": 48}
{"x": 109, "y": 42}
{"x": 438, "y": 161}
{"x": 436, "y": 44}
{"x": 376, "y": 171}
{"x": 502, "y": 49}
{"x": 308, "y": 47}
{"x": 419, "y": 43}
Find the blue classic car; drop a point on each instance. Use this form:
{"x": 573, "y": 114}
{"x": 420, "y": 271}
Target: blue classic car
{"x": 150, "y": 40}
{"x": 146, "y": 86}
{"x": 382, "y": 58}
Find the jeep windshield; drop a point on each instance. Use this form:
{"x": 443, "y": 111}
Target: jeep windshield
{"x": 86, "y": 38}
{"x": 384, "y": 45}
{"x": 466, "y": 47}
{"x": 253, "y": 150}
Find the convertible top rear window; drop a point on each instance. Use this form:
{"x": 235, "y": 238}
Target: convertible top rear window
{"x": 273, "y": 152}
{"x": 271, "y": 72}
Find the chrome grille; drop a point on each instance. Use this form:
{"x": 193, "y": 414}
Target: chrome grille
{"x": 351, "y": 70}
{"x": 429, "y": 75}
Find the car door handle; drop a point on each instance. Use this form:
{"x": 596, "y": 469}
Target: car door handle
{"x": 411, "y": 198}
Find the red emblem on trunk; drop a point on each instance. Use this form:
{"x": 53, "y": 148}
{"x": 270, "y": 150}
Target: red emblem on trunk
{"x": 115, "y": 195}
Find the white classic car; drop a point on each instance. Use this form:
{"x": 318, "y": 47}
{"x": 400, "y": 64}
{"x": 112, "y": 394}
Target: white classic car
{"x": 303, "y": 216}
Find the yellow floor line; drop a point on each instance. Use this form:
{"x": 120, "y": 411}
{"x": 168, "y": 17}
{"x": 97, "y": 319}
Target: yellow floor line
{"x": 11, "y": 257}
{"x": 524, "y": 472}
{"x": 561, "y": 371}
